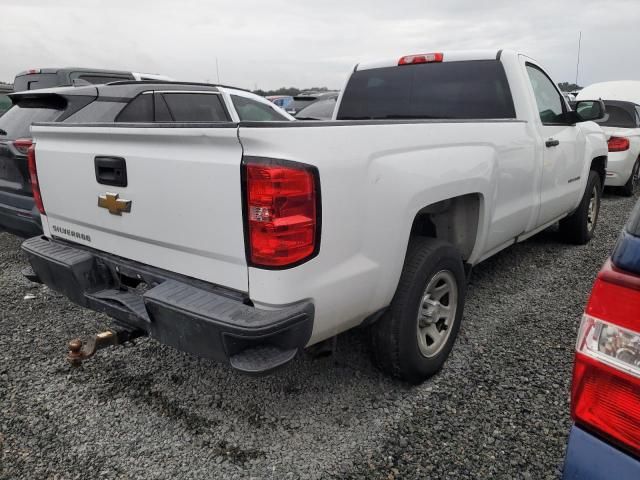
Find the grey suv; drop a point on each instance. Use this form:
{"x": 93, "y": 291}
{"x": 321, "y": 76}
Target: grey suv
{"x": 127, "y": 102}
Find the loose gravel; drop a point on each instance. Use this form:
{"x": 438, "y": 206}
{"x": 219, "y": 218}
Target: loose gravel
{"x": 499, "y": 408}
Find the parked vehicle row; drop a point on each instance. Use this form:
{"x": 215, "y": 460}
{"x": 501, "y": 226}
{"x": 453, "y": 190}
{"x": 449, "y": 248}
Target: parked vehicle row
{"x": 283, "y": 101}
{"x": 306, "y": 98}
{"x": 256, "y": 239}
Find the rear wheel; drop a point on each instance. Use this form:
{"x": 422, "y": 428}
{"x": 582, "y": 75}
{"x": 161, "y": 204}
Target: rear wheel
{"x": 631, "y": 186}
{"x": 415, "y": 336}
{"x": 579, "y": 227}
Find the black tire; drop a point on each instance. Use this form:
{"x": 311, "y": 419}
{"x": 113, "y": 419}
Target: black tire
{"x": 629, "y": 188}
{"x": 578, "y": 228}
{"x": 394, "y": 338}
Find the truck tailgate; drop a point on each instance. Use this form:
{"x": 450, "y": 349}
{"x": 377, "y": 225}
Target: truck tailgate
{"x": 183, "y": 185}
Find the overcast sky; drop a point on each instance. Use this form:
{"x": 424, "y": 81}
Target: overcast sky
{"x": 273, "y": 43}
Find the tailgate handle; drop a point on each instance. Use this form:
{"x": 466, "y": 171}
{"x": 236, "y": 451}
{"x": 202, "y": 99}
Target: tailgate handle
{"x": 111, "y": 171}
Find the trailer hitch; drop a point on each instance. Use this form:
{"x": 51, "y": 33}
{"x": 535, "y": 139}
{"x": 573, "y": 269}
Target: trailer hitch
{"x": 80, "y": 351}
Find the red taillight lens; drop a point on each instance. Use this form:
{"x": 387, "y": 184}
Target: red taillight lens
{"x": 282, "y": 213}
{"x": 605, "y": 394}
{"x": 22, "y": 145}
{"x": 618, "y": 144}
{"x": 33, "y": 176}
{"x": 606, "y": 400}
{"x": 421, "y": 58}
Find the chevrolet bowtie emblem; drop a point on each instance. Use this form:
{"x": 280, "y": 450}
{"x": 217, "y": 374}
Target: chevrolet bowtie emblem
{"x": 115, "y": 205}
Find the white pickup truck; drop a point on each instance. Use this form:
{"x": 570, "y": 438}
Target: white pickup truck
{"x": 248, "y": 241}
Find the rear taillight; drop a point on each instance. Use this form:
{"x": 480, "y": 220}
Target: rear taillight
{"x": 33, "y": 176}
{"x": 22, "y": 145}
{"x": 421, "y": 58}
{"x": 282, "y": 212}
{"x": 618, "y": 144}
{"x": 605, "y": 395}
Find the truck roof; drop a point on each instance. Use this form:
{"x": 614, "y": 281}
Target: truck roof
{"x": 447, "y": 56}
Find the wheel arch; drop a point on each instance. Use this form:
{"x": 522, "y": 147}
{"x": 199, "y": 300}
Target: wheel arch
{"x": 455, "y": 220}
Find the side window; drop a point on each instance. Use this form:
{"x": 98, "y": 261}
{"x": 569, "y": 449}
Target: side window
{"x": 547, "y": 97}
{"x": 638, "y": 115}
{"x": 162, "y": 111}
{"x": 252, "y": 111}
{"x": 195, "y": 107}
{"x": 138, "y": 110}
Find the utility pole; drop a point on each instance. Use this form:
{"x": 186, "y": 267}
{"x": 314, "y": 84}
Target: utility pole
{"x": 578, "y": 62}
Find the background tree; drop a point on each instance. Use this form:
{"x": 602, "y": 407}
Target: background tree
{"x": 569, "y": 87}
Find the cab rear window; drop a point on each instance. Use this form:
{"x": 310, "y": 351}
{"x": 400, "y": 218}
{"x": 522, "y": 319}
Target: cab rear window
{"x": 475, "y": 89}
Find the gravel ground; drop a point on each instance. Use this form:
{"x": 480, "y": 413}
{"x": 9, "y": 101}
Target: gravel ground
{"x": 499, "y": 408}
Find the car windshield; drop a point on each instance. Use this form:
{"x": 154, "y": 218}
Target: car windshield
{"x": 320, "y": 110}
{"x": 619, "y": 115}
{"x": 299, "y": 103}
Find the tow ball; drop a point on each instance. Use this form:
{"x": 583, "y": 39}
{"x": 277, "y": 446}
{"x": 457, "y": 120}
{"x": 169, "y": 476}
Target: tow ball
{"x": 80, "y": 351}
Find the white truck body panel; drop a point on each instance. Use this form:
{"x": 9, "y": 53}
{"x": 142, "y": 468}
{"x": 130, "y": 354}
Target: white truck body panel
{"x": 372, "y": 193}
{"x": 189, "y": 221}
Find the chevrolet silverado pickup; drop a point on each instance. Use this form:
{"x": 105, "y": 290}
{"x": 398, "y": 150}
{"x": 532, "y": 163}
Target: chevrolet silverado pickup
{"x": 249, "y": 241}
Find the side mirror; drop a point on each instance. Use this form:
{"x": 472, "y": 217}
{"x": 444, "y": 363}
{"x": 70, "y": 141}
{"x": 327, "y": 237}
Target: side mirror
{"x": 589, "y": 110}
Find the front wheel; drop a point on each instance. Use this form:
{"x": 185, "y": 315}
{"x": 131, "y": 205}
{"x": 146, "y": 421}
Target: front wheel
{"x": 579, "y": 227}
{"x": 415, "y": 336}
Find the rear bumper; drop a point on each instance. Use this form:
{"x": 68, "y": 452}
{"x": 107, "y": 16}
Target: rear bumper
{"x": 619, "y": 168}
{"x": 193, "y": 316}
{"x": 18, "y": 215}
{"x": 589, "y": 458}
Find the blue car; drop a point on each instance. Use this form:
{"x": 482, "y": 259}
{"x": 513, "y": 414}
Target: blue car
{"x": 605, "y": 397}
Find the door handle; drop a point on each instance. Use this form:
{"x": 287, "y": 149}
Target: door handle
{"x": 111, "y": 171}
{"x": 552, "y": 142}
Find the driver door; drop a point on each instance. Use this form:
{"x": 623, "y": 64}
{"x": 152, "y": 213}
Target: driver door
{"x": 561, "y": 145}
